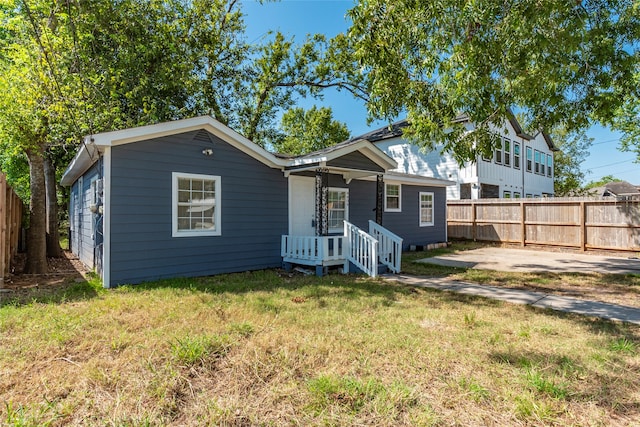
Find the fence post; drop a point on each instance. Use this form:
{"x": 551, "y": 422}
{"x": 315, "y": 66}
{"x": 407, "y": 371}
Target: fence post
{"x": 583, "y": 226}
{"x": 474, "y": 232}
{"x": 523, "y": 225}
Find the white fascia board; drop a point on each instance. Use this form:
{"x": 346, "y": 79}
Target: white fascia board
{"x": 208, "y": 123}
{"x": 413, "y": 179}
{"x": 88, "y": 154}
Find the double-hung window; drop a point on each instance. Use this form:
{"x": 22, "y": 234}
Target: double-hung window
{"x": 195, "y": 205}
{"x": 426, "y": 209}
{"x": 507, "y": 152}
{"x": 549, "y": 165}
{"x": 516, "y": 155}
{"x": 537, "y": 161}
{"x": 392, "y": 198}
{"x": 529, "y": 159}
{"x": 498, "y": 154}
{"x": 337, "y": 208}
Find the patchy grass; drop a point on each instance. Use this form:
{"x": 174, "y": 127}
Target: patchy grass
{"x": 621, "y": 289}
{"x": 263, "y": 349}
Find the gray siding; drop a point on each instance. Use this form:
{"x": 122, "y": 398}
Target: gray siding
{"x": 355, "y": 160}
{"x": 254, "y": 210}
{"x": 83, "y": 223}
{"x": 406, "y": 224}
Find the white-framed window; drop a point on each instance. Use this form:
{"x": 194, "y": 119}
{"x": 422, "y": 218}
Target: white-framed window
{"x": 516, "y": 155}
{"x": 337, "y": 208}
{"x": 507, "y": 152}
{"x": 426, "y": 209}
{"x": 498, "y": 154}
{"x": 516, "y": 195}
{"x": 506, "y": 194}
{"x": 529, "y": 159}
{"x": 529, "y": 195}
{"x": 549, "y": 165}
{"x": 537, "y": 161}
{"x": 392, "y": 198}
{"x": 196, "y": 205}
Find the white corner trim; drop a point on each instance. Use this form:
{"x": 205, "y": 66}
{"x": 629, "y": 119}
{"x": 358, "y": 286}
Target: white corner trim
{"x": 106, "y": 218}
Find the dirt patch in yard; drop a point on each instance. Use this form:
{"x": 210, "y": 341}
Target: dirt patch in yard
{"x": 63, "y": 272}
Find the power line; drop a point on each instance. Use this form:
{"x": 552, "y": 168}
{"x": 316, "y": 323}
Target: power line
{"x": 607, "y": 141}
{"x": 612, "y": 164}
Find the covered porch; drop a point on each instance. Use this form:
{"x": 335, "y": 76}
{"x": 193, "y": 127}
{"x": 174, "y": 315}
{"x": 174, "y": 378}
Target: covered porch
{"x": 320, "y": 232}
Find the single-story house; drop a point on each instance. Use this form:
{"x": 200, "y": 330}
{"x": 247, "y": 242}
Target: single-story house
{"x": 193, "y": 197}
{"x": 620, "y": 190}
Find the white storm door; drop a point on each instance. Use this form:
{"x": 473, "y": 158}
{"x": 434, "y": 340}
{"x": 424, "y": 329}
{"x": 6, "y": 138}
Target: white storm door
{"x": 302, "y": 206}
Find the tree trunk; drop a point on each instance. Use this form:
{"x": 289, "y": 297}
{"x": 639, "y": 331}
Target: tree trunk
{"x": 36, "y": 235}
{"x": 53, "y": 235}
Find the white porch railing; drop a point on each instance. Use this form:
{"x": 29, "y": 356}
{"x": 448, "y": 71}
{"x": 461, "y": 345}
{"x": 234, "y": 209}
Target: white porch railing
{"x": 389, "y": 246}
{"x": 362, "y": 249}
{"x": 313, "y": 250}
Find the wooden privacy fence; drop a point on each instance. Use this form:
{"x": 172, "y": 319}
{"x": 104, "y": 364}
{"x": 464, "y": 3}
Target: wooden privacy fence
{"x": 10, "y": 222}
{"x": 580, "y": 223}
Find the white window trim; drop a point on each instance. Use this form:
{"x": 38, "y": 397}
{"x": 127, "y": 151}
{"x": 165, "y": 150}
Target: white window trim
{"x": 506, "y": 155}
{"x": 174, "y": 206}
{"x": 518, "y": 156}
{"x": 433, "y": 209}
{"x": 346, "y": 208}
{"x": 399, "y": 208}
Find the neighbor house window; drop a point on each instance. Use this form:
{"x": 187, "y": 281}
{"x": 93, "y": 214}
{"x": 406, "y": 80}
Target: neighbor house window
{"x": 529, "y": 159}
{"x": 537, "y": 162}
{"x": 392, "y": 198}
{"x": 196, "y": 205}
{"x": 337, "y": 209}
{"x": 549, "y": 164}
{"x": 426, "y": 209}
{"x": 507, "y": 152}
{"x": 506, "y": 194}
{"x": 498, "y": 153}
{"x": 516, "y": 155}
{"x": 516, "y": 195}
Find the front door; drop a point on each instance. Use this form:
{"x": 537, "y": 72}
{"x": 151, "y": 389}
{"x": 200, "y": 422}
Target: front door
{"x": 302, "y": 190}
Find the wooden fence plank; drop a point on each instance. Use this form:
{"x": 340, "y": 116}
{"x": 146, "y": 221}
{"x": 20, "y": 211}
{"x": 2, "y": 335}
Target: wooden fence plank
{"x": 11, "y": 210}
{"x": 585, "y": 224}
{"x": 4, "y": 218}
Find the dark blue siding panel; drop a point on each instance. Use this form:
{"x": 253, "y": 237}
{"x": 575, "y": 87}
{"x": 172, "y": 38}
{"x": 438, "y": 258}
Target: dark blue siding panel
{"x": 254, "y": 211}
{"x": 83, "y": 223}
{"x": 406, "y": 224}
{"x": 355, "y": 160}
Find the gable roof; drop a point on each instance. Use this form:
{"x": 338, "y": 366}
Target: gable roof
{"x": 94, "y": 145}
{"x": 617, "y": 188}
{"x": 396, "y": 129}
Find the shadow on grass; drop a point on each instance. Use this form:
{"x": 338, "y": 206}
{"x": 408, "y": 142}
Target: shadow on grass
{"x": 67, "y": 292}
{"x": 583, "y": 384}
{"x": 275, "y": 280}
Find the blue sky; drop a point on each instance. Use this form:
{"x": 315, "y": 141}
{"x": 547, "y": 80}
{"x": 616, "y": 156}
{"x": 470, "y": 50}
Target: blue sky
{"x": 301, "y": 17}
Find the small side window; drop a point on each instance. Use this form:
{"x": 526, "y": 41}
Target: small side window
{"x": 426, "y": 209}
{"x": 392, "y": 198}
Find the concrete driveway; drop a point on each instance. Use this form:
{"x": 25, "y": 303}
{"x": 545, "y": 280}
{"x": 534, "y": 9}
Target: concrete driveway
{"x": 507, "y": 259}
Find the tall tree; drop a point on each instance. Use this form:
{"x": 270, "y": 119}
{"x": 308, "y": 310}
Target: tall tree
{"x": 311, "y": 130}
{"x": 568, "y": 174}
{"x": 565, "y": 63}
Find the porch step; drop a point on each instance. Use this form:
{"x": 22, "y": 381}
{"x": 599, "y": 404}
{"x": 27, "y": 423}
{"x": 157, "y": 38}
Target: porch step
{"x": 382, "y": 268}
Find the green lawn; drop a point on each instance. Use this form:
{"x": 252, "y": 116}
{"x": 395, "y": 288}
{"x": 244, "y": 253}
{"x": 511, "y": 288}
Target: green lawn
{"x": 266, "y": 348}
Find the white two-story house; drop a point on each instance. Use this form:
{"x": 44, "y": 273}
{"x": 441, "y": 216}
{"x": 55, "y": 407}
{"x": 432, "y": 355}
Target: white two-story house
{"x": 522, "y": 166}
